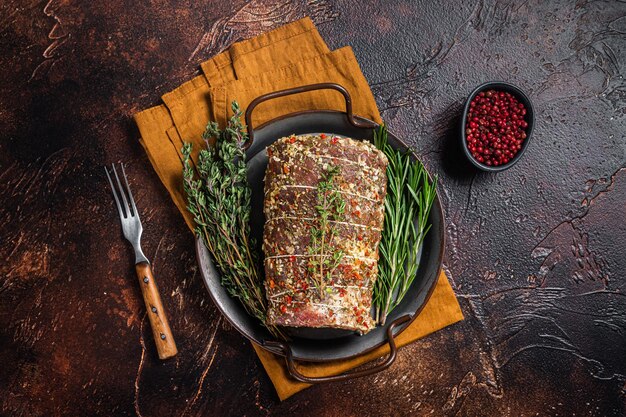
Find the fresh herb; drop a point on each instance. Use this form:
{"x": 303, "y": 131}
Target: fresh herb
{"x": 410, "y": 196}
{"x": 330, "y": 205}
{"x": 218, "y": 196}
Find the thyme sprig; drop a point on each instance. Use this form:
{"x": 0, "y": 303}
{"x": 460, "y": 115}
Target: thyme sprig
{"x": 325, "y": 256}
{"x": 410, "y": 196}
{"x": 218, "y": 197}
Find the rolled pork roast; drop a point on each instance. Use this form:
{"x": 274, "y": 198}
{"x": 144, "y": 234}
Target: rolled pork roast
{"x": 324, "y": 211}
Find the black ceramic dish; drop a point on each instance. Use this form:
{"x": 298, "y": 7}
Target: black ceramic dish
{"x": 530, "y": 119}
{"x": 321, "y": 345}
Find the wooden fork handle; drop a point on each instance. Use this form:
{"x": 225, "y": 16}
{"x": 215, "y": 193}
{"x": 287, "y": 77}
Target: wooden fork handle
{"x": 161, "y": 331}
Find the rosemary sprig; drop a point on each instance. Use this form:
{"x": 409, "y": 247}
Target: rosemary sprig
{"x": 330, "y": 204}
{"x": 218, "y": 196}
{"x": 410, "y": 196}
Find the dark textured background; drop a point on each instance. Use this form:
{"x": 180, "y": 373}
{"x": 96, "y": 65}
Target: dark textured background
{"x": 537, "y": 254}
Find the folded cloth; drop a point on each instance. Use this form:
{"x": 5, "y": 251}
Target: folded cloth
{"x": 256, "y": 66}
{"x": 339, "y": 66}
{"x": 189, "y": 104}
{"x": 266, "y": 52}
{"x": 162, "y": 145}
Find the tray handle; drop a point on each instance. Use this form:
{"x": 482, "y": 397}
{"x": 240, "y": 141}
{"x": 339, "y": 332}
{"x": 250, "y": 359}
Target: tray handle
{"x": 298, "y": 90}
{"x": 393, "y": 351}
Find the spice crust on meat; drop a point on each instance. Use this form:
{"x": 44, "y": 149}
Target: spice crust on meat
{"x": 324, "y": 210}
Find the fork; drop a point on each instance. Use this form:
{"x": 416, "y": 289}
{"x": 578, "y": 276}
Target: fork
{"x": 131, "y": 226}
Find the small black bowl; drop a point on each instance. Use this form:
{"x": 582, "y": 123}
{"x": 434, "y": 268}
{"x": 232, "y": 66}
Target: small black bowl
{"x": 529, "y": 118}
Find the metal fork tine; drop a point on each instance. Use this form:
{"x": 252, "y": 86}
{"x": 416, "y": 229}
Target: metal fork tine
{"x": 130, "y": 193}
{"x": 121, "y": 189}
{"x": 117, "y": 200}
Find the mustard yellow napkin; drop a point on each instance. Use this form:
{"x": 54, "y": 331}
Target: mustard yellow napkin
{"x": 250, "y": 68}
{"x": 267, "y": 52}
{"x": 190, "y": 104}
{"x": 160, "y": 139}
{"x": 339, "y": 66}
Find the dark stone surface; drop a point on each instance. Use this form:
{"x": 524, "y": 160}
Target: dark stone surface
{"x": 536, "y": 253}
